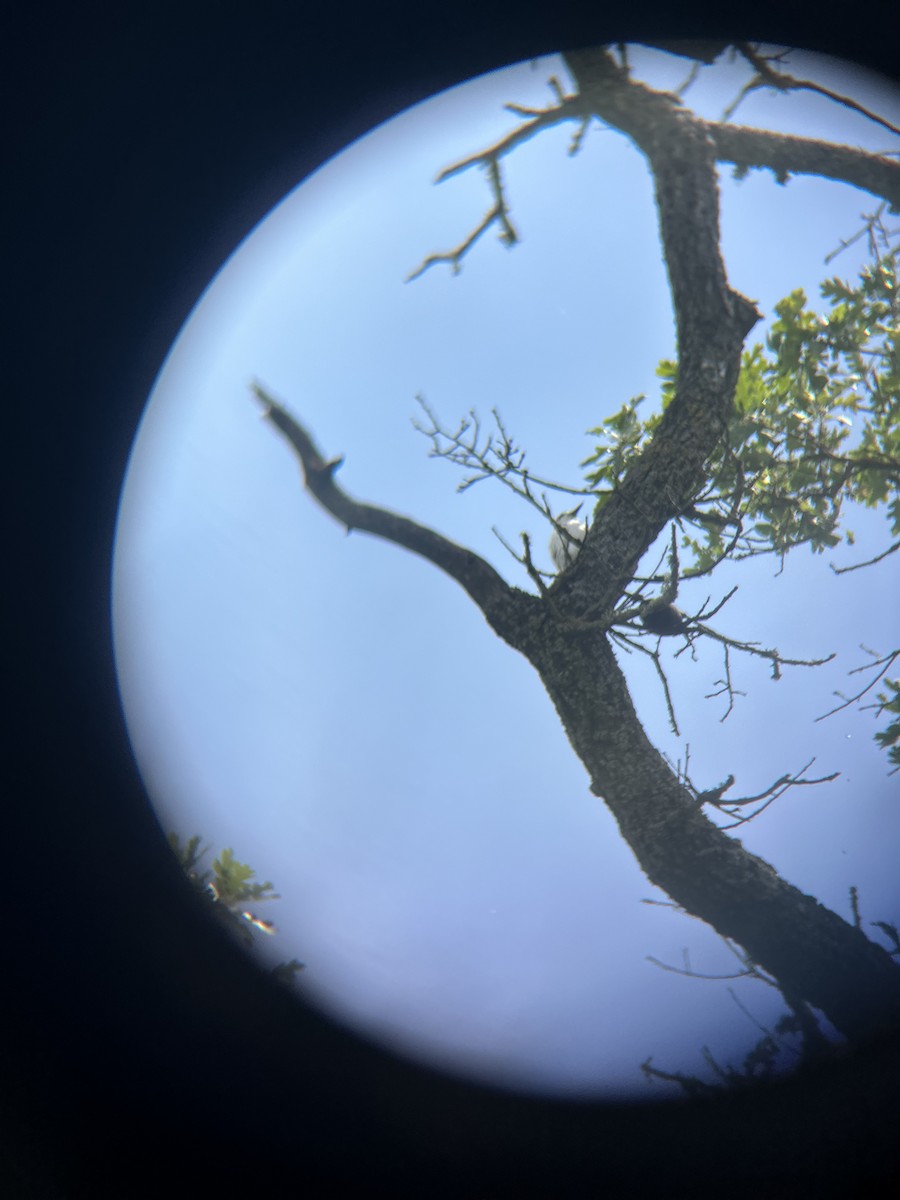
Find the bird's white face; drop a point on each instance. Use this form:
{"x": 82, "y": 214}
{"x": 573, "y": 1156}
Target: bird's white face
{"x": 564, "y": 548}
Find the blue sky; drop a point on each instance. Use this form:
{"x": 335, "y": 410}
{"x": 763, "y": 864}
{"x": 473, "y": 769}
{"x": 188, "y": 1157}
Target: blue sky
{"x": 340, "y": 714}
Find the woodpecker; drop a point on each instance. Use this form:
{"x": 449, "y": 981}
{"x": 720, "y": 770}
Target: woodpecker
{"x": 565, "y": 545}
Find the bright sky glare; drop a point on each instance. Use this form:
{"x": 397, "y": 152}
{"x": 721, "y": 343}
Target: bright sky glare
{"x": 340, "y": 714}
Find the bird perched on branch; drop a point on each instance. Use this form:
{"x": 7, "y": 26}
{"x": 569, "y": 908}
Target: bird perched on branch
{"x": 567, "y": 538}
{"x": 665, "y": 620}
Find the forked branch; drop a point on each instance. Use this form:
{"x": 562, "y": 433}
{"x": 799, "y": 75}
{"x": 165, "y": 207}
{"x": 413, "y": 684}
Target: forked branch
{"x": 767, "y": 76}
{"x": 497, "y": 600}
{"x": 567, "y": 108}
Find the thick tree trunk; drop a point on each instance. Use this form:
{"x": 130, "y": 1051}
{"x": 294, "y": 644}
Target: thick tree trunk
{"x": 811, "y": 951}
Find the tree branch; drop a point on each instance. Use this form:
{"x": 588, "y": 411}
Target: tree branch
{"x": 501, "y": 604}
{"x": 786, "y": 154}
{"x": 767, "y": 76}
{"x": 884, "y": 663}
{"x": 768, "y": 796}
{"x": 711, "y": 319}
{"x": 569, "y": 108}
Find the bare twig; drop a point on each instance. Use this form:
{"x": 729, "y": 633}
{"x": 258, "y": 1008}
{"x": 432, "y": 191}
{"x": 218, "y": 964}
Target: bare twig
{"x": 497, "y": 214}
{"x": 534, "y": 573}
{"x": 567, "y": 108}
{"x": 873, "y": 228}
{"x": 629, "y": 644}
{"x": 726, "y": 687}
{"x": 775, "y": 657}
{"x": 892, "y": 933}
{"x": 690, "y": 973}
{"x": 770, "y": 794}
{"x": 766, "y": 76}
{"x": 854, "y": 906}
{"x": 885, "y": 663}
{"x": 690, "y": 79}
{"x": 496, "y": 457}
{"x": 869, "y": 562}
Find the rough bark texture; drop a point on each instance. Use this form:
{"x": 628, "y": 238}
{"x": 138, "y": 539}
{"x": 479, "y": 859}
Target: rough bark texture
{"x": 813, "y": 953}
{"x": 786, "y": 155}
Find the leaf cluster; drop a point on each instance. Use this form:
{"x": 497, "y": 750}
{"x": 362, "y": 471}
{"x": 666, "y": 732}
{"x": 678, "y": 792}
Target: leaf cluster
{"x": 228, "y": 879}
{"x": 623, "y": 435}
{"x": 232, "y": 881}
{"x": 226, "y": 886}
{"x": 889, "y": 738}
{"x": 815, "y": 423}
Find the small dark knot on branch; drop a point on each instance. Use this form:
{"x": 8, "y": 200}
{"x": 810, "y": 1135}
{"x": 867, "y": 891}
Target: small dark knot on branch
{"x": 326, "y": 469}
{"x": 714, "y": 795}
